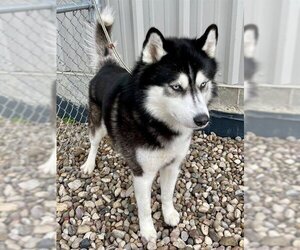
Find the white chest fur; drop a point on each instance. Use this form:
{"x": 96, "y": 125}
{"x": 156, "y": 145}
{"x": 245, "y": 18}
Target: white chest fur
{"x": 175, "y": 151}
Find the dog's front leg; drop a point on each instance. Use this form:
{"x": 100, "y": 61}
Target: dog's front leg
{"x": 142, "y": 188}
{"x": 168, "y": 177}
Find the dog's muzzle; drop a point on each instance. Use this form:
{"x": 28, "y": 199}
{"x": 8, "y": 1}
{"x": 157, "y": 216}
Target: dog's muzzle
{"x": 201, "y": 120}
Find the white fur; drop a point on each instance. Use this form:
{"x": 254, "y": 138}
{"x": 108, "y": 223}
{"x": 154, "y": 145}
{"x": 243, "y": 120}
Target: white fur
{"x": 168, "y": 178}
{"x": 93, "y": 49}
{"x": 178, "y": 112}
{"x": 211, "y": 44}
{"x": 49, "y": 167}
{"x": 183, "y": 80}
{"x": 249, "y": 43}
{"x": 89, "y": 165}
{"x": 154, "y": 41}
{"x": 142, "y": 189}
{"x": 200, "y": 78}
{"x": 107, "y": 16}
{"x": 152, "y": 161}
{"x": 208, "y": 94}
{"x": 155, "y": 105}
{"x": 90, "y": 45}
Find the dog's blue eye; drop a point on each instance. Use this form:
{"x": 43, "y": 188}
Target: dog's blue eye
{"x": 202, "y": 85}
{"x": 176, "y": 87}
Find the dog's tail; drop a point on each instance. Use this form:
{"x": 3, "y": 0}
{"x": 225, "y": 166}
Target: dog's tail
{"x": 101, "y": 41}
{"x": 99, "y": 48}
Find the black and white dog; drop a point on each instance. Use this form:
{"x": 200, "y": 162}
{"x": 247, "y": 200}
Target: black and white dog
{"x": 151, "y": 114}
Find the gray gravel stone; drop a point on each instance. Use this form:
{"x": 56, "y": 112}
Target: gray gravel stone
{"x": 85, "y": 243}
{"x": 281, "y": 241}
{"x": 228, "y": 241}
{"x": 204, "y": 229}
{"x": 118, "y": 234}
{"x": 179, "y": 244}
{"x": 46, "y": 243}
{"x": 184, "y": 236}
{"x": 30, "y": 184}
{"x": 79, "y": 213}
{"x": 74, "y": 185}
{"x": 204, "y": 208}
{"x": 207, "y": 241}
{"x": 82, "y": 229}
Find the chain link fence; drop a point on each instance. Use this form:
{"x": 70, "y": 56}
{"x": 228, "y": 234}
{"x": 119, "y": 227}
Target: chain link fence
{"x": 27, "y": 76}
{"x": 26, "y": 60}
{"x": 73, "y": 64}
{"x": 31, "y": 64}
{"x": 27, "y": 73}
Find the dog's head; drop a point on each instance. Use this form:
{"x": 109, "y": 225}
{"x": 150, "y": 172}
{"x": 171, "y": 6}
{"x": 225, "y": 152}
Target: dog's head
{"x": 177, "y": 77}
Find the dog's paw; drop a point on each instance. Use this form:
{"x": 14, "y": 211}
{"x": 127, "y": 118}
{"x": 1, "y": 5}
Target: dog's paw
{"x": 87, "y": 168}
{"x": 171, "y": 217}
{"x": 48, "y": 168}
{"x": 149, "y": 233}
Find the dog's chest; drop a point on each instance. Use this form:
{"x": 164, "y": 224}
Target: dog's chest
{"x": 173, "y": 152}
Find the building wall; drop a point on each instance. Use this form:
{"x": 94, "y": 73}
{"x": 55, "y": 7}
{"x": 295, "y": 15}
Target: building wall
{"x": 182, "y": 18}
{"x": 278, "y": 50}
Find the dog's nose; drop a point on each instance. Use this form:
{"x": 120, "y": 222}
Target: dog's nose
{"x": 201, "y": 120}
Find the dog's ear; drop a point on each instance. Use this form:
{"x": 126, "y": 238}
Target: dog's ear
{"x": 250, "y": 39}
{"x": 208, "y": 41}
{"x": 153, "y": 46}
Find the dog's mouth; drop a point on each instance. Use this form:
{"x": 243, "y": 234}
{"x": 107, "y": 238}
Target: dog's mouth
{"x": 196, "y": 128}
{"x": 201, "y": 127}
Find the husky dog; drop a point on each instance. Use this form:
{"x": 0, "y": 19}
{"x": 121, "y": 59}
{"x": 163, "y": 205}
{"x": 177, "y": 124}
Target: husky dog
{"x": 250, "y": 64}
{"x": 151, "y": 114}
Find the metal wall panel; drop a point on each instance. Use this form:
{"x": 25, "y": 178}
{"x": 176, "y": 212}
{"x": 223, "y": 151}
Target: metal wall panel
{"x": 278, "y": 49}
{"x": 182, "y": 18}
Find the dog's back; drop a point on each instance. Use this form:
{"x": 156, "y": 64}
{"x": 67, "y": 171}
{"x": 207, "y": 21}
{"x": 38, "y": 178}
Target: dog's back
{"x": 106, "y": 83}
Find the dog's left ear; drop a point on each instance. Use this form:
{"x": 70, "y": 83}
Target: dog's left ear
{"x": 153, "y": 46}
{"x": 208, "y": 41}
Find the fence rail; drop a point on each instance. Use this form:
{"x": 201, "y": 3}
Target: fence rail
{"x": 74, "y": 7}
{"x": 26, "y": 7}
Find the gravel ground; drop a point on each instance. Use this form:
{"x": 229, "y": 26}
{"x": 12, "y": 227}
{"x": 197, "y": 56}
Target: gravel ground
{"x": 99, "y": 211}
{"x": 27, "y": 195}
{"x": 272, "y": 181}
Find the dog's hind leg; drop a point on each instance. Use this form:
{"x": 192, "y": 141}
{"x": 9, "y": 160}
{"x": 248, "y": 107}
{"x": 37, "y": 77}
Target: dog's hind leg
{"x": 97, "y": 131}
